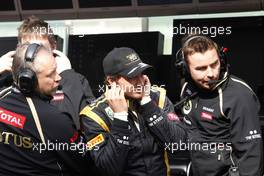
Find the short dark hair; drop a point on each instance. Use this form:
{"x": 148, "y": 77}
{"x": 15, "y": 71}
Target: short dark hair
{"x": 34, "y": 26}
{"x": 197, "y": 44}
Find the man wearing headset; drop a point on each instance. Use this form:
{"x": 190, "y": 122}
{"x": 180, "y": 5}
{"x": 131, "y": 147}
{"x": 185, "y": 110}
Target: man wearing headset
{"x": 74, "y": 91}
{"x": 220, "y": 112}
{"x": 29, "y": 136}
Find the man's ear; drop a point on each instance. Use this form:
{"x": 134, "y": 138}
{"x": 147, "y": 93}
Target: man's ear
{"x": 109, "y": 80}
{"x": 53, "y": 46}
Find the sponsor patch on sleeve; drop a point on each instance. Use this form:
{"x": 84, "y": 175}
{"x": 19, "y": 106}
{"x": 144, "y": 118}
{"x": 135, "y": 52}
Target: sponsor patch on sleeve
{"x": 253, "y": 134}
{"x": 74, "y": 137}
{"x": 12, "y": 118}
{"x": 172, "y": 117}
{"x": 95, "y": 141}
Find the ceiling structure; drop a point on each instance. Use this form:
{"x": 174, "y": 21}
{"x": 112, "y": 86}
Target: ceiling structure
{"x": 16, "y": 10}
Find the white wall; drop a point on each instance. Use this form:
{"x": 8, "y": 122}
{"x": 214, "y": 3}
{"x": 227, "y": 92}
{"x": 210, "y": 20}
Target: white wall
{"x": 103, "y": 26}
{"x": 63, "y": 28}
{"x": 165, "y": 26}
{"x": 9, "y": 29}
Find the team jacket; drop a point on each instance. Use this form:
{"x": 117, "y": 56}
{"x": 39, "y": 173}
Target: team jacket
{"x": 5, "y": 80}
{"x": 226, "y": 121}
{"x": 74, "y": 95}
{"x": 135, "y": 147}
{"x": 20, "y": 143}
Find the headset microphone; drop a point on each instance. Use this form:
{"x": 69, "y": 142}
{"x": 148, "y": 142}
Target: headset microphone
{"x": 179, "y": 104}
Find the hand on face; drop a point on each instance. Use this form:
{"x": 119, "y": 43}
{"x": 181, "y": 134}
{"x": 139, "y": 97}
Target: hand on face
{"x": 147, "y": 85}
{"x": 116, "y": 98}
{"x": 6, "y": 61}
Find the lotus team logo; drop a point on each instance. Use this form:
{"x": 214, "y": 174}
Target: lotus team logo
{"x": 132, "y": 57}
{"x": 187, "y": 107}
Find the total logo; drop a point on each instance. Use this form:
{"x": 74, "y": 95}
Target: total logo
{"x": 253, "y": 135}
{"x": 12, "y": 118}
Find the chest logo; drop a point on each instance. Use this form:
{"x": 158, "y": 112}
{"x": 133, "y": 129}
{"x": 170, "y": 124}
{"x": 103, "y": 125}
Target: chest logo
{"x": 109, "y": 113}
{"x": 12, "y": 118}
{"x": 172, "y": 117}
{"x": 208, "y": 109}
{"x": 187, "y": 107}
{"x": 207, "y": 116}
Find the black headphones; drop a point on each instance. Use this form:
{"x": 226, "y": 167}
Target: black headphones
{"x": 27, "y": 79}
{"x": 182, "y": 66}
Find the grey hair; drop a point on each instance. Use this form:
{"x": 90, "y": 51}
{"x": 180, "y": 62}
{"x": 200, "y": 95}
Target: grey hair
{"x": 19, "y": 62}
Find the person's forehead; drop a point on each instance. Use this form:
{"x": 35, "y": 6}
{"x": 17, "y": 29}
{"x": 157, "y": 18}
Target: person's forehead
{"x": 45, "y": 59}
{"x": 123, "y": 80}
{"x": 210, "y": 56}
